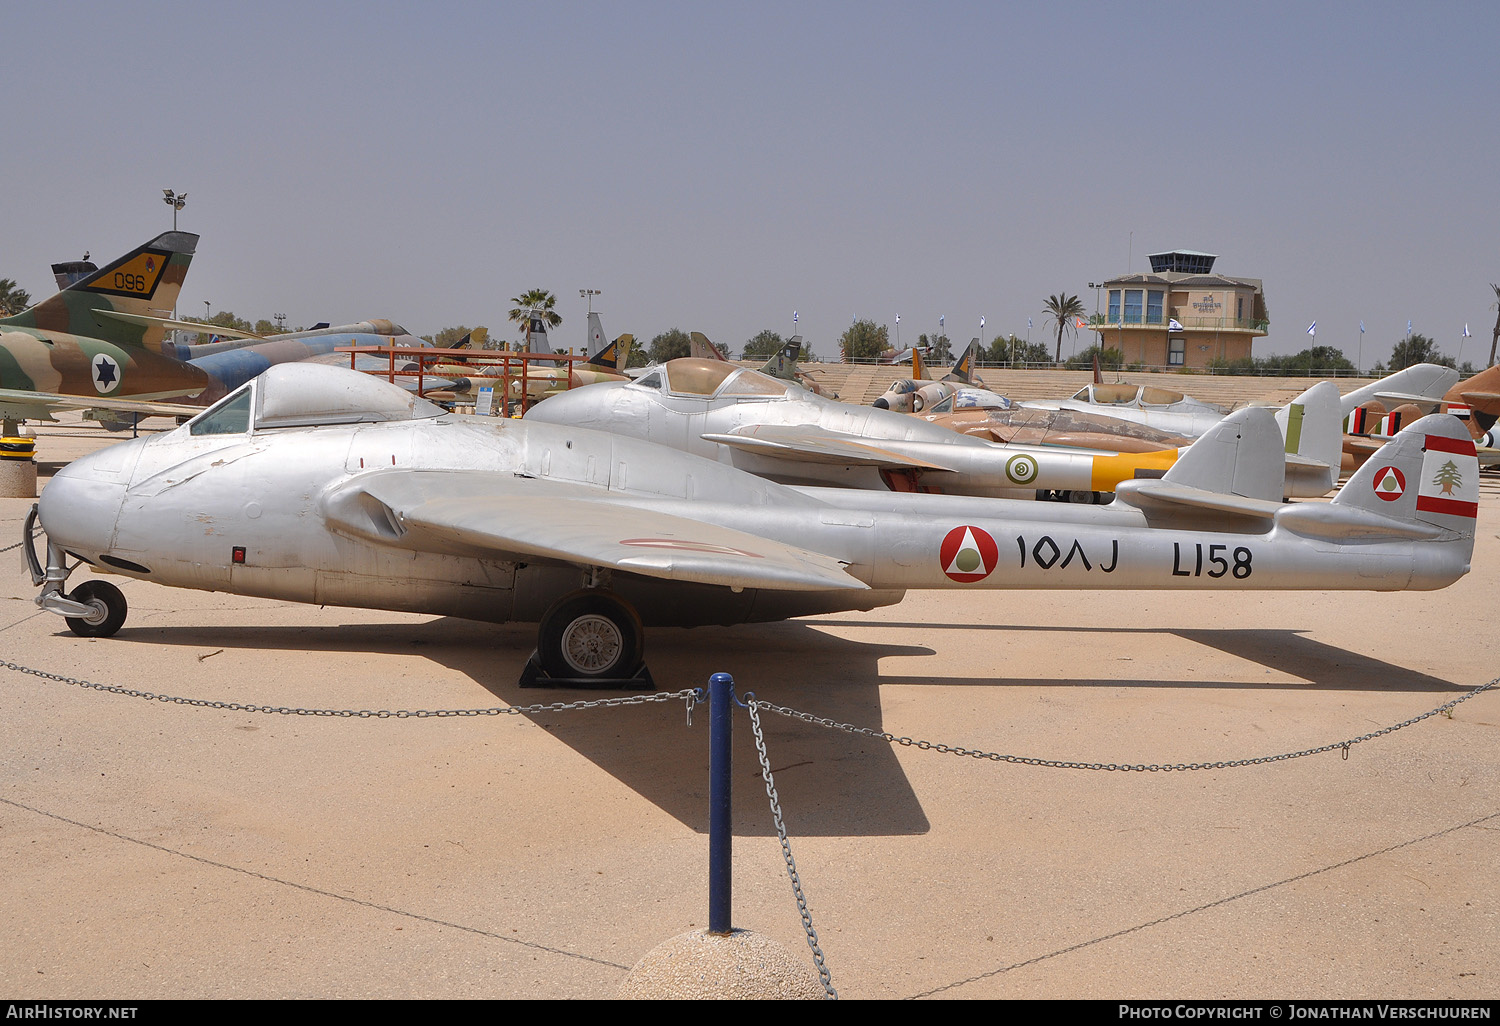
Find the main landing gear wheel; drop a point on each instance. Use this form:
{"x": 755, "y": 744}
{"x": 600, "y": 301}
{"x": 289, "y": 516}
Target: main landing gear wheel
{"x": 590, "y": 634}
{"x": 107, "y": 613}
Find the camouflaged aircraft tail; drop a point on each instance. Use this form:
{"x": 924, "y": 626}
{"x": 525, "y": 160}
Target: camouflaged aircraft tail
{"x": 145, "y": 281}
{"x": 963, "y": 367}
{"x": 613, "y": 356}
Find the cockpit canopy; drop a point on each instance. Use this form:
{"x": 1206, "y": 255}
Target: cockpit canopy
{"x": 309, "y": 395}
{"x": 710, "y": 378}
{"x": 971, "y": 399}
{"x": 1141, "y": 397}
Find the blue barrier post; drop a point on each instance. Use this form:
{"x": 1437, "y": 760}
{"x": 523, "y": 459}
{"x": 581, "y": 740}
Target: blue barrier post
{"x": 720, "y": 822}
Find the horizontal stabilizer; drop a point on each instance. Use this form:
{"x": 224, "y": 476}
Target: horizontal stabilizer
{"x": 1162, "y": 496}
{"x": 811, "y": 445}
{"x": 1422, "y": 381}
{"x": 167, "y": 322}
{"x": 533, "y": 518}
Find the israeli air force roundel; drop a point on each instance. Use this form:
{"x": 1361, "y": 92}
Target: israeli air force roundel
{"x": 1389, "y": 483}
{"x": 968, "y": 554}
{"x": 106, "y": 373}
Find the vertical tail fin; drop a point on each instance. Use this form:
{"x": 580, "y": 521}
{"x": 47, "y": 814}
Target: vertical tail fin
{"x": 613, "y": 356}
{"x": 700, "y": 347}
{"x": 963, "y": 367}
{"x": 918, "y": 365}
{"x": 1310, "y": 425}
{"x": 144, "y": 281}
{"x": 1240, "y": 455}
{"x": 596, "y": 341}
{"x": 1429, "y": 473}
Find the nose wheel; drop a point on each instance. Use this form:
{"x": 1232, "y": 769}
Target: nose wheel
{"x": 105, "y": 606}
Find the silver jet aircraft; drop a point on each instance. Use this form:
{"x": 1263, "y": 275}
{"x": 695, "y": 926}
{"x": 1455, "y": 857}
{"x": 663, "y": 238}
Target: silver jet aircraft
{"x": 782, "y": 432}
{"x": 322, "y": 485}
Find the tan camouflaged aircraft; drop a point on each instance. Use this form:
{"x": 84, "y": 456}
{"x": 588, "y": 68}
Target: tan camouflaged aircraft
{"x": 93, "y": 345}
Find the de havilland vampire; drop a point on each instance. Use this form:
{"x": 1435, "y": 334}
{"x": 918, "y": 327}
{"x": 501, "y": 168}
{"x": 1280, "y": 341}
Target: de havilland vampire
{"x": 782, "y": 432}
{"x": 322, "y": 485}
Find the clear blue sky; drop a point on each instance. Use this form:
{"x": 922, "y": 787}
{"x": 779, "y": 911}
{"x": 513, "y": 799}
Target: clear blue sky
{"x": 716, "y": 166}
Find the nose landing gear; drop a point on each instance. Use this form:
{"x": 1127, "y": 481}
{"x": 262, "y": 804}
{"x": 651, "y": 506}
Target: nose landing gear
{"x": 94, "y": 609}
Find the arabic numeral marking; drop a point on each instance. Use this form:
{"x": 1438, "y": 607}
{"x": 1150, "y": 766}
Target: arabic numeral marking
{"x": 130, "y": 282}
{"x": 1239, "y": 570}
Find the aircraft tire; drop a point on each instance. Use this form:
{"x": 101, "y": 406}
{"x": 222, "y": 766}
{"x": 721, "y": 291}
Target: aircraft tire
{"x": 590, "y": 633}
{"x": 109, "y": 605}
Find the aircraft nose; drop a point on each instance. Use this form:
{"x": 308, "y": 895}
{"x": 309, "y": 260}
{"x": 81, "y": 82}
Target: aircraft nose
{"x": 80, "y": 505}
{"x": 881, "y": 404}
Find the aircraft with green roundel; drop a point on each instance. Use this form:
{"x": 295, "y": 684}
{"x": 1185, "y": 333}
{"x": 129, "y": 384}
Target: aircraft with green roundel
{"x": 322, "y": 485}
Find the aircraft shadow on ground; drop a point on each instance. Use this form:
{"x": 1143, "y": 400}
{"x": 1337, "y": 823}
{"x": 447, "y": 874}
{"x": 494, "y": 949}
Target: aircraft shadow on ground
{"x": 1326, "y": 667}
{"x": 831, "y": 782}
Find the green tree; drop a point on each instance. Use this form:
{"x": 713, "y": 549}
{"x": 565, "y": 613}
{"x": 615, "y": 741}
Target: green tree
{"x": 1417, "y": 348}
{"x": 863, "y": 340}
{"x": 449, "y": 337}
{"x": 764, "y": 345}
{"x": 1314, "y": 360}
{"x": 1109, "y": 359}
{"x": 1064, "y": 310}
{"x": 1014, "y": 349}
{"x": 13, "y": 298}
{"x": 537, "y": 303}
{"x": 670, "y": 345}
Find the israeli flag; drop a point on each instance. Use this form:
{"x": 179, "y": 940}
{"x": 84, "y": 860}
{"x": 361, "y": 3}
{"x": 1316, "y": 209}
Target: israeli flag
{"x": 1361, "y": 327}
{"x": 1028, "y": 323}
{"x": 981, "y": 321}
{"x": 1408, "y": 327}
{"x": 1466, "y": 332}
{"x": 1312, "y": 329}
{"x": 794, "y": 316}
{"x": 1173, "y": 325}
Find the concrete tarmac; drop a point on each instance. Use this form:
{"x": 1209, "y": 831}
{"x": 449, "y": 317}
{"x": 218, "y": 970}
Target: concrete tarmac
{"x": 160, "y": 850}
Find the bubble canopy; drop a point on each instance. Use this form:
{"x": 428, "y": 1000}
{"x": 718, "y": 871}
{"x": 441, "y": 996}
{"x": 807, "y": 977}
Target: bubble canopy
{"x": 309, "y": 395}
{"x": 706, "y": 378}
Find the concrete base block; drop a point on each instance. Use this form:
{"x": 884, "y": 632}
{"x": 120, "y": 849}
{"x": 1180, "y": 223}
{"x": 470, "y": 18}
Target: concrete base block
{"x": 18, "y": 479}
{"x": 740, "y": 966}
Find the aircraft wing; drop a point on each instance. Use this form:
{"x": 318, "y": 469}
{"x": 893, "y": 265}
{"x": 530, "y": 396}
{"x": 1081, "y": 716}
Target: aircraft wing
{"x": 167, "y": 322}
{"x": 24, "y": 405}
{"x": 533, "y": 517}
{"x": 812, "y": 445}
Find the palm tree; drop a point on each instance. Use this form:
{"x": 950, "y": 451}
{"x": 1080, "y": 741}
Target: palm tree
{"x": 1065, "y": 310}
{"x": 536, "y": 303}
{"x": 13, "y": 298}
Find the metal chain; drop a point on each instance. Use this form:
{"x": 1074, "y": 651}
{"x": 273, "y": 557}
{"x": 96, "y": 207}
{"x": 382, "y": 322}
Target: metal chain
{"x": 786, "y": 848}
{"x": 23, "y": 541}
{"x": 689, "y": 695}
{"x": 1023, "y": 760}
